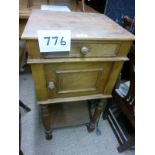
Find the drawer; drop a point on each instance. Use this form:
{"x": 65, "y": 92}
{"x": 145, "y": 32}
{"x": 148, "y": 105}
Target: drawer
{"x": 76, "y": 79}
{"x": 88, "y": 49}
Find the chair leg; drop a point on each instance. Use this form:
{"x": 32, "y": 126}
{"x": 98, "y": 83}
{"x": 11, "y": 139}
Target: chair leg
{"x": 127, "y": 145}
{"x": 20, "y": 151}
{"x": 21, "y": 104}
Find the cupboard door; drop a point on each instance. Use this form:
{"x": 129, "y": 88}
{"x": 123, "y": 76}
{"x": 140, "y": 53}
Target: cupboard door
{"x": 75, "y": 79}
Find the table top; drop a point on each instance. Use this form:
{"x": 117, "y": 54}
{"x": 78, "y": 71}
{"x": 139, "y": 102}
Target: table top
{"x": 83, "y": 26}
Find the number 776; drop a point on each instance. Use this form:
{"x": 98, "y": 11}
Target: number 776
{"x": 62, "y": 42}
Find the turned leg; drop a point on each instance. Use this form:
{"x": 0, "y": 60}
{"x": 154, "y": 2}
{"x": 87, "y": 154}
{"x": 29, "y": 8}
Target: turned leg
{"x": 98, "y": 111}
{"x": 46, "y": 121}
{"x": 105, "y": 114}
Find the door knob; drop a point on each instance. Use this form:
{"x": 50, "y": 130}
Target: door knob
{"x": 51, "y": 85}
{"x": 84, "y": 50}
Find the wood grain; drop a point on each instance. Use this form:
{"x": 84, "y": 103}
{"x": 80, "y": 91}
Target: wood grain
{"x": 96, "y": 49}
{"x": 124, "y": 48}
{"x": 77, "y": 78}
{"x": 65, "y": 60}
{"x": 69, "y": 114}
{"x": 33, "y": 49}
{"x": 22, "y": 23}
{"x": 24, "y": 11}
{"x": 105, "y": 28}
{"x": 74, "y": 99}
{"x": 39, "y": 81}
{"x": 72, "y": 77}
{"x": 114, "y": 73}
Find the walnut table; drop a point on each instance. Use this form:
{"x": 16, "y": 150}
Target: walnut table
{"x": 89, "y": 71}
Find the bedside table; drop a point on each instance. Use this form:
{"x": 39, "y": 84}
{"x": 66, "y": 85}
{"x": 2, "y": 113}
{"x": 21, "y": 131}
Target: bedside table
{"x": 89, "y": 71}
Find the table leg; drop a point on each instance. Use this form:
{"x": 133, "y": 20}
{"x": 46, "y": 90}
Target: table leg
{"x": 105, "y": 114}
{"x": 46, "y": 121}
{"x": 98, "y": 111}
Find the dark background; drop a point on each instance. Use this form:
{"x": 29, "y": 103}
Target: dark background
{"x": 114, "y": 9}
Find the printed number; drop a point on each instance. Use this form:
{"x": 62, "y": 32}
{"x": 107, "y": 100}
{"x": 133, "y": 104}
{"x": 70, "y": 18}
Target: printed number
{"x": 48, "y": 40}
{"x": 62, "y": 42}
{"x": 56, "y": 38}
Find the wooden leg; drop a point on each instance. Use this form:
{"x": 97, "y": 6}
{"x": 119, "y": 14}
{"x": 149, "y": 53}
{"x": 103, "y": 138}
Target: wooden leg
{"x": 83, "y": 5}
{"x": 127, "y": 145}
{"x": 46, "y": 121}
{"x": 105, "y": 114}
{"x": 98, "y": 111}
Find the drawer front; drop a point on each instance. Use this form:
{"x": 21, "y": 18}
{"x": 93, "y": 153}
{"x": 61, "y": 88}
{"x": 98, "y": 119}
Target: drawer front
{"x": 76, "y": 79}
{"x": 88, "y": 49}
{"x": 97, "y": 49}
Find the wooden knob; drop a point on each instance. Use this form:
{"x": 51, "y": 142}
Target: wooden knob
{"x": 51, "y": 85}
{"x": 84, "y": 50}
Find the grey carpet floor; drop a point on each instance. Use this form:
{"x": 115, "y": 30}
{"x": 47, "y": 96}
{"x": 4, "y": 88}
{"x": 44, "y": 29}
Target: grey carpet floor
{"x": 66, "y": 141}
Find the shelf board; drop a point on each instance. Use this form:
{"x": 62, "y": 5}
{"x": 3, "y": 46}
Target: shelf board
{"x": 69, "y": 114}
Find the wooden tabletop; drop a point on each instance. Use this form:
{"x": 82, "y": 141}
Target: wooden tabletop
{"x": 87, "y": 26}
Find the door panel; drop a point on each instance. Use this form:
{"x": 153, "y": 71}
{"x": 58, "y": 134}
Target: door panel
{"x": 75, "y": 79}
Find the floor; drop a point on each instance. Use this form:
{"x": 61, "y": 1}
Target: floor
{"x": 66, "y": 141}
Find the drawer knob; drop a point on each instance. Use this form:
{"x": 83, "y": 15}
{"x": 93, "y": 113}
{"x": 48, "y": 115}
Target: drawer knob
{"x": 51, "y": 85}
{"x": 84, "y": 50}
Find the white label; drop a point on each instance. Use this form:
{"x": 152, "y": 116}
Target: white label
{"x": 55, "y": 8}
{"x": 54, "y": 40}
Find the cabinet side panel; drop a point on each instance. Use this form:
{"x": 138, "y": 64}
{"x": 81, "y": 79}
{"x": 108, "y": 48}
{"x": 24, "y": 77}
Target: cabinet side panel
{"x": 115, "y": 71}
{"x": 39, "y": 81}
{"x": 125, "y": 48}
{"x": 33, "y": 49}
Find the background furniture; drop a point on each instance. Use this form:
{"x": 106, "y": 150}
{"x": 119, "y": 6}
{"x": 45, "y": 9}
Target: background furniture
{"x": 128, "y": 24}
{"x": 22, "y": 55}
{"x": 114, "y": 9}
{"x": 121, "y": 114}
{"x": 25, "y": 8}
{"x": 21, "y": 104}
{"x": 22, "y": 62}
{"x": 98, "y": 5}
{"x": 120, "y": 111}
{"x": 88, "y": 71}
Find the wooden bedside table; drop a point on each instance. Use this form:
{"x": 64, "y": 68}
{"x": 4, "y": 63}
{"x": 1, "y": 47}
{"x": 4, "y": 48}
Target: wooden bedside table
{"x": 89, "y": 71}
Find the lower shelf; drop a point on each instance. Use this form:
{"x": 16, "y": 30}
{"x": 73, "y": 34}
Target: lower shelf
{"x": 76, "y": 98}
{"x": 69, "y": 114}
